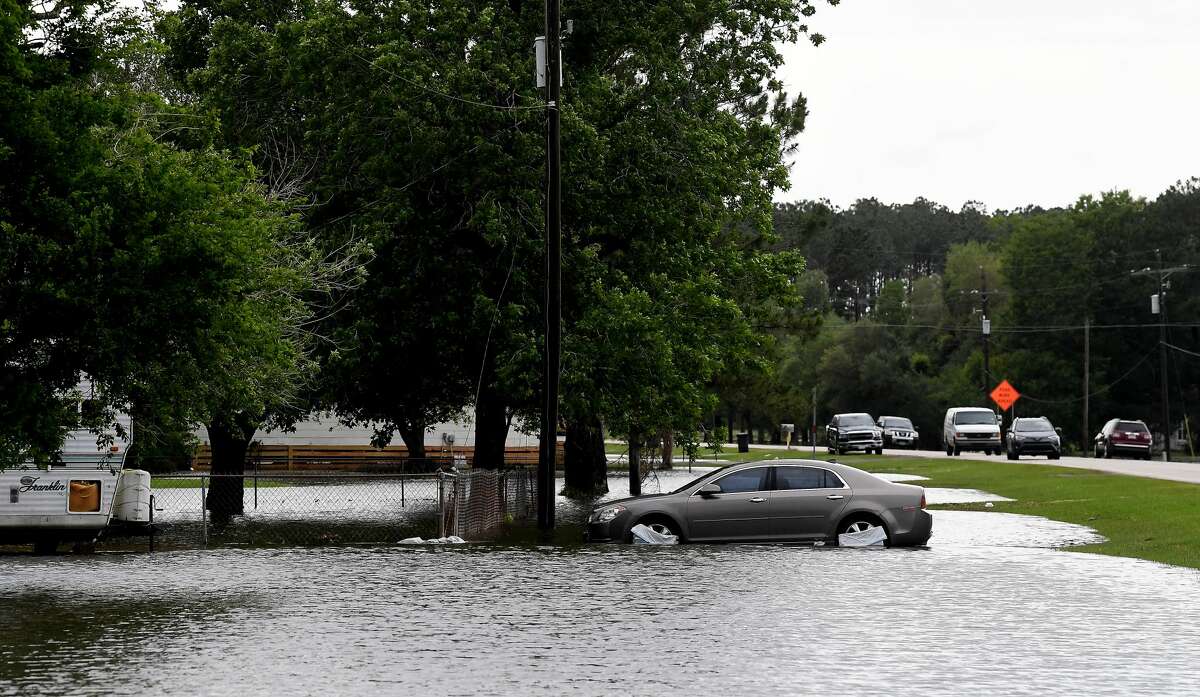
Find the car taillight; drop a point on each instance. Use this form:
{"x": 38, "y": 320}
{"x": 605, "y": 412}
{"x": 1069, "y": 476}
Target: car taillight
{"x": 922, "y": 500}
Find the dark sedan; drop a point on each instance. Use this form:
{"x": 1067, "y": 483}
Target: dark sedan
{"x": 783, "y": 501}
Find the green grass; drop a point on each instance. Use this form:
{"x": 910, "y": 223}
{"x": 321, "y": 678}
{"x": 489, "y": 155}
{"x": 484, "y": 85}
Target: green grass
{"x": 1142, "y": 518}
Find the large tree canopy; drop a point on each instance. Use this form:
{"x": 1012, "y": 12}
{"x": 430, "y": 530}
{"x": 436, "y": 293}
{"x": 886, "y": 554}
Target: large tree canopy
{"x": 417, "y": 127}
{"x": 131, "y": 249}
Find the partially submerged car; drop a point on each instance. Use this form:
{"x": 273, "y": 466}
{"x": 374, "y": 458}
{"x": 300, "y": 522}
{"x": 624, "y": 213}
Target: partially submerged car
{"x": 858, "y": 431}
{"x": 783, "y": 501}
{"x": 1033, "y": 435}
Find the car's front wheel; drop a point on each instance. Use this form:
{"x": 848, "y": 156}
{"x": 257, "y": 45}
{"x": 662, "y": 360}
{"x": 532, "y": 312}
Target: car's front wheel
{"x": 662, "y": 526}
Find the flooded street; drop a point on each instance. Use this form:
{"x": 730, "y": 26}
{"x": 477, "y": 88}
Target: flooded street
{"x": 990, "y": 606}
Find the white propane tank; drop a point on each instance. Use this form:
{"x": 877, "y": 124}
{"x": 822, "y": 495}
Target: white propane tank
{"x": 132, "y": 501}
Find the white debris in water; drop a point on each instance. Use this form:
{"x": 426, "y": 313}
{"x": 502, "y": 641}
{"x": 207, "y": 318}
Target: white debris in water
{"x": 874, "y": 536}
{"x": 647, "y": 536}
{"x": 451, "y": 540}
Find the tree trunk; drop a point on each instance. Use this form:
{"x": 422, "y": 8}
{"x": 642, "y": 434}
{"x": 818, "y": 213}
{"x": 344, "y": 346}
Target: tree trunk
{"x": 491, "y": 430}
{"x": 585, "y": 462}
{"x": 228, "y": 441}
{"x": 413, "y": 435}
{"x": 668, "y": 448}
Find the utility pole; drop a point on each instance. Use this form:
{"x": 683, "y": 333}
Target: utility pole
{"x": 1158, "y": 306}
{"x": 813, "y": 435}
{"x": 547, "y": 459}
{"x": 1087, "y": 347}
{"x": 1162, "y": 353}
{"x": 986, "y": 327}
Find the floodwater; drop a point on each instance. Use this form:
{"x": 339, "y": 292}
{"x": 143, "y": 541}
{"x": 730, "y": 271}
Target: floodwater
{"x": 989, "y": 607}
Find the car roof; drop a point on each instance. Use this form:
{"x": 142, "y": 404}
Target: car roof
{"x": 853, "y": 413}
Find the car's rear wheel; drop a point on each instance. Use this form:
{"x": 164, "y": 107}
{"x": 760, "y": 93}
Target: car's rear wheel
{"x": 862, "y": 524}
{"x": 957, "y": 451}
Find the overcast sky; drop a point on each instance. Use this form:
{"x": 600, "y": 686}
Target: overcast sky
{"x": 1008, "y": 103}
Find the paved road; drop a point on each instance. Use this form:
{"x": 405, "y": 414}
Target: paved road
{"x": 1153, "y": 469}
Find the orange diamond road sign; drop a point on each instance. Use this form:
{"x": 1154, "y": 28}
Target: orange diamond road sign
{"x": 1005, "y": 395}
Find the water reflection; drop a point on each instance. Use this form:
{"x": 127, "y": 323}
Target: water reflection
{"x": 983, "y": 609}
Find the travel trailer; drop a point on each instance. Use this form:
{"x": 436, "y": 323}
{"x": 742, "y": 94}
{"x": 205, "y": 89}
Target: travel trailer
{"x": 73, "y": 498}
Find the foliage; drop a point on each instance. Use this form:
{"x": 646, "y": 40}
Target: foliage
{"x": 132, "y": 250}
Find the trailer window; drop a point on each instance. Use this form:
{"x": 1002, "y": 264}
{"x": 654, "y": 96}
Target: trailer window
{"x": 84, "y": 496}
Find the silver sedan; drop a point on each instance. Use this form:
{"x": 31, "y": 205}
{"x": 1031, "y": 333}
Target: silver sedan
{"x": 779, "y": 501}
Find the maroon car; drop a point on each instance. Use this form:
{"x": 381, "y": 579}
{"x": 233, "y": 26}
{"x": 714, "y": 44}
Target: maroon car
{"x": 1120, "y": 436}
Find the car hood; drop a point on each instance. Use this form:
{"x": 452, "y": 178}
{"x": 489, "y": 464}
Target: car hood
{"x": 1034, "y": 434}
{"x": 629, "y": 499}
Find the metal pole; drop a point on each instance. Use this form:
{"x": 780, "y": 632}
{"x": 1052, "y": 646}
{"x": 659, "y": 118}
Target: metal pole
{"x": 152, "y": 522}
{"x": 402, "y": 491}
{"x": 813, "y": 435}
{"x": 1087, "y": 353}
{"x": 553, "y": 310}
{"x": 984, "y": 295}
{"x": 203, "y": 512}
{"x": 441, "y": 506}
{"x": 1162, "y": 352}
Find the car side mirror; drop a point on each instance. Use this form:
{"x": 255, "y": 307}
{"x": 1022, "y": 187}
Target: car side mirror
{"x": 709, "y": 490}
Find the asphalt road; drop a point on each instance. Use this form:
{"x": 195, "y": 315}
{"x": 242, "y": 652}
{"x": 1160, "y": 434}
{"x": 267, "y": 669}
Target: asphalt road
{"x": 1153, "y": 469}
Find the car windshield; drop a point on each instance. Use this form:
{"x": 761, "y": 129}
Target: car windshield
{"x": 897, "y": 422}
{"x": 855, "y": 420}
{"x": 1026, "y": 425}
{"x": 701, "y": 478}
{"x": 975, "y": 418}
{"x": 1133, "y": 426}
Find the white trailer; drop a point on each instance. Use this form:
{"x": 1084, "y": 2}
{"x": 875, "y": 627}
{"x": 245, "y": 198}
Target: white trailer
{"x": 71, "y": 499}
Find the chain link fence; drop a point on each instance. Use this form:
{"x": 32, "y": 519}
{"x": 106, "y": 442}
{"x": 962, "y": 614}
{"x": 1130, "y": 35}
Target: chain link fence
{"x": 336, "y": 508}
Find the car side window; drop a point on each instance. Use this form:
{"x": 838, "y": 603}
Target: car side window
{"x": 747, "y": 480}
{"x": 799, "y": 478}
{"x": 832, "y": 481}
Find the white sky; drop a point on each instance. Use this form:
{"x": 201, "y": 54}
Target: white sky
{"x": 1008, "y": 102}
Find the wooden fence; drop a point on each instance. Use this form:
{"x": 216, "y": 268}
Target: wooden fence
{"x": 355, "y": 458}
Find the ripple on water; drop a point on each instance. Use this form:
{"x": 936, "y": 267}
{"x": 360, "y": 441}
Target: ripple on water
{"x": 987, "y": 608}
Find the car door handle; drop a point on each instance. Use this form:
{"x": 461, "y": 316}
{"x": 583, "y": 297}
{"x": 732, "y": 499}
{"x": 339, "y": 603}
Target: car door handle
{"x": 835, "y": 497}
{"x": 757, "y": 499}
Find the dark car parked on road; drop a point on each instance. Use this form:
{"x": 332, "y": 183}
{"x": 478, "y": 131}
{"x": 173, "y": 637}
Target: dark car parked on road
{"x": 898, "y": 432}
{"x": 1033, "y": 435}
{"x": 784, "y": 501}
{"x": 847, "y": 432}
{"x": 1124, "y": 436}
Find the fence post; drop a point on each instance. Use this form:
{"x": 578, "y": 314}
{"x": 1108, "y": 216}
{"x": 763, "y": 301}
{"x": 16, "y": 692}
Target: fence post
{"x": 441, "y": 505}
{"x": 203, "y": 512}
{"x": 402, "y": 491}
{"x": 151, "y": 523}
